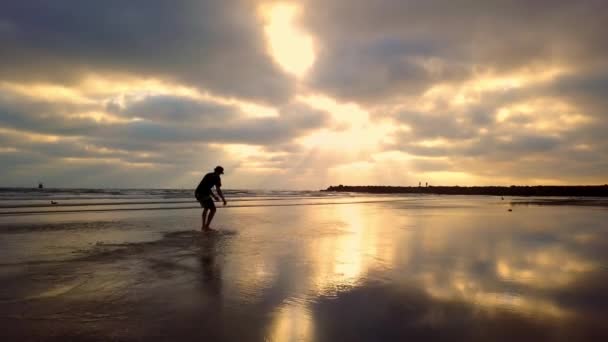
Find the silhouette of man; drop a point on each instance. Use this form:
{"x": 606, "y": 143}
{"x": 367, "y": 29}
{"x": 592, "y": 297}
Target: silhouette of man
{"x": 205, "y": 196}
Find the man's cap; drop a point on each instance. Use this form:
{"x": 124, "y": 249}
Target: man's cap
{"x": 219, "y": 169}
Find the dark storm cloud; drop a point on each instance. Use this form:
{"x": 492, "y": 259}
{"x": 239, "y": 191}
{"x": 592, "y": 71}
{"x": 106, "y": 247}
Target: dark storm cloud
{"x": 173, "y": 134}
{"x": 491, "y": 147}
{"x": 516, "y": 146}
{"x": 93, "y": 162}
{"x": 521, "y": 146}
{"x": 43, "y": 150}
{"x": 359, "y": 72}
{"x": 587, "y": 90}
{"x": 167, "y": 119}
{"x": 374, "y": 53}
{"x": 176, "y": 119}
{"x": 436, "y": 125}
{"x": 431, "y": 165}
{"x": 372, "y": 50}
{"x": 214, "y": 45}
{"x": 44, "y": 116}
{"x": 20, "y": 160}
{"x": 179, "y": 109}
{"x": 561, "y": 167}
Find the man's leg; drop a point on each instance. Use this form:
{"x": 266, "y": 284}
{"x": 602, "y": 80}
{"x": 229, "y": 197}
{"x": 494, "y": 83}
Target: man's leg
{"x": 204, "y": 218}
{"x": 210, "y": 217}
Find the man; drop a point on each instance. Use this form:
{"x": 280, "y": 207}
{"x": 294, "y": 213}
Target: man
{"x": 205, "y": 196}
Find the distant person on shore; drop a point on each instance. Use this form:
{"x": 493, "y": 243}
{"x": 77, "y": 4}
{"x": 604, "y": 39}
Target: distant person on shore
{"x": 205, "y": 196}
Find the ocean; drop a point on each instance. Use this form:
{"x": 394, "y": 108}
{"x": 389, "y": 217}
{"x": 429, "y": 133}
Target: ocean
{"x": 16, "y": 201}
{"x": 132, "y": 264}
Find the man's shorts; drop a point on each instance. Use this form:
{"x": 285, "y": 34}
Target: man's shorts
{"x": 207, "y": 202}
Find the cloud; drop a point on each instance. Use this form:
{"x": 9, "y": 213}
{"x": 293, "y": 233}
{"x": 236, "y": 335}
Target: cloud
{"x": 476, "y": 91}
{"x": 167, "y": 118}
{"x": 166, "y": 108}
{"x": 160, "y": 119}
{"x": 370, "y": 52}
{"x": 163, "y": 135}
{"x": 95, "y": 162}
{"x": 216, "y": 46}
{"x": 44, "y": 116}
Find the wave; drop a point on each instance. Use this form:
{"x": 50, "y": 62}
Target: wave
{"x": 84, "y": 204}
{"x": 84, "y": 210}
{"x": 25, "y": 194}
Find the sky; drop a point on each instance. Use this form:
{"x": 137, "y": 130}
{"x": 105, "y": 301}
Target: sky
{"x": 303, "y": 94}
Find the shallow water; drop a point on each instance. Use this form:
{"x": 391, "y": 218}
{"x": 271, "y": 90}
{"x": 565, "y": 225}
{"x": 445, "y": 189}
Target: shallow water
{"x": 356, "y": 268}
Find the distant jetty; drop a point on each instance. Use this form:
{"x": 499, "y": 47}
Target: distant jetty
{"x": 514, "y": 190}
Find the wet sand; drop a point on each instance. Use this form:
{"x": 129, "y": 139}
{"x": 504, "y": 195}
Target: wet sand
{"x": 425, "y": 268}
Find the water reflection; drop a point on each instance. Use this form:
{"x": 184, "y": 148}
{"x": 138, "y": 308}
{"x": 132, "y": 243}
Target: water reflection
{"x": 382, "y": 271}
{"x": 335, "y": 261}
{"x": 485, "y": 261}
{"x": 210, "y": 269}
{"x": 343, "y": 258}
{"x": 291, "y": 322}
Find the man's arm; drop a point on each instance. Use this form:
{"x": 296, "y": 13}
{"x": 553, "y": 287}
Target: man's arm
{"x": 219, "y": 192}
{"x": 197, "y": 191}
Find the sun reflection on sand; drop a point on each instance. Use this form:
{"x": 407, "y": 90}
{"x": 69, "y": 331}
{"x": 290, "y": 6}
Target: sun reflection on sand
{"x": 338, "y": 261}
{"x": 366, "y": 243}
{"x": 440, "y": 259}
{"x": 343, "y": 259}
{"x": 297, "y": 268}
{"x": 292, "y": 322}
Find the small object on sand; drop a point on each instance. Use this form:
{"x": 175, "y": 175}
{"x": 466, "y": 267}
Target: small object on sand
{"x": 502, "y": 198}
{"x": 510, "y": 209}
{"x": 53, "y": 202}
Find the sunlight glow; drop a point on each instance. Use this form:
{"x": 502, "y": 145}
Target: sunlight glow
{"x": 437, "y": 142}
{"x": 452, "y": 177}
{"x": 352, "y": 129}
{"x": 133, "y": 89}
{"x": 292, "y": 322}
{"x": 290, "y": 47}
{"x": 343, "y": 113}
{"x": 115, "y": 162}
{"x": 123, "y": 89}
{"x": 23, "y": 136}
{"x": 102, "y": 118}
{"x": 471, "y": 91}
{"x": 47, "y": 92}
{"x": 253, "y": 158}
{"x": 548, "y": 115}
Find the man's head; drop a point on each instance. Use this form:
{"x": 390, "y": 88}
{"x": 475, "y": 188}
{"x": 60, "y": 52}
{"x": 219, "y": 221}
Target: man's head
{"x": 219, "y": 170}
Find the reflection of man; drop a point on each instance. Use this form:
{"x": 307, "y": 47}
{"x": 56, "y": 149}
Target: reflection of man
{"x": 205, "y": 196}
{"x": 211, "y": 278}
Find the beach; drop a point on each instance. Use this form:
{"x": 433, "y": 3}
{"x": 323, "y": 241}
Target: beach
{"x": 302, "y": 266}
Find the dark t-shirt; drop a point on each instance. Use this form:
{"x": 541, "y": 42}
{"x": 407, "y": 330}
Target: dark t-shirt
{"x": 209, "y": 181}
